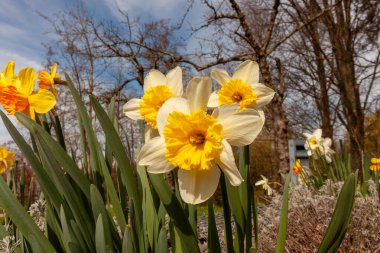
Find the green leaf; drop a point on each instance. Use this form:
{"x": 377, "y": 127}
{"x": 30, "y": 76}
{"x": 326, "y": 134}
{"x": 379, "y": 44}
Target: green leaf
{"x": 46, "y": 183}
{"x": 341, "y": 217}
{"x": 227, "y": 216}
{"x": 122, "y": 159}
{"x": 23, "y": 221}
{"x": 102, "y": 237}
{"x": 181, "y": 224}
{"x": 281, "y": 237}
{"x": 162, "y": 244}
{"x": 213, "y": 238}
{"x": 128, "y": 244}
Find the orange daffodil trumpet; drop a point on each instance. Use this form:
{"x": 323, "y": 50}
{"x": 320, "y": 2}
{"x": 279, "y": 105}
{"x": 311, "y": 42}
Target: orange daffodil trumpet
{"x": 242, "y": 89}
{"x": 375, "y": 164}
{"x": 157, "y": 89}
{"x": 198, "y": 143}
{"x": 17, "y": 93}
{"x": 6, "y": 159}
{"x": 297, "y": 167}
{"x": 47, "y": 81}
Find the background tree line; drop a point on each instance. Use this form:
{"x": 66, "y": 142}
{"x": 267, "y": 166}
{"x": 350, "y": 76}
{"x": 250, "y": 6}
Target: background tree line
{"x": 320, "y": 56}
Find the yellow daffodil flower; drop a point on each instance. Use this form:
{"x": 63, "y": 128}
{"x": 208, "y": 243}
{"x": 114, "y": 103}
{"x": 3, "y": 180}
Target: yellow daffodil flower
{"x": 265, "y": 185}
{"x": 375, "y": 166}
{"x": 242, "y": 89}
{"x": 199, "y": 143}
{"x": 297, "y": 168}
{"x": 47, "y": 81}
{"x": 20, "y": 96}
{"x": 6, "y": 159}
{"x": 157, "y": 89}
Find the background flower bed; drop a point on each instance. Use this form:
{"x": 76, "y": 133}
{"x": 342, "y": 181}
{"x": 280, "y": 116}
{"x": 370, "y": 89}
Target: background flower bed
{"x": 309, "y": 215}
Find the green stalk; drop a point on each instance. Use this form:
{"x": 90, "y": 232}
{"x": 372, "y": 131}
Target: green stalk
{"x": 227, "y": 216}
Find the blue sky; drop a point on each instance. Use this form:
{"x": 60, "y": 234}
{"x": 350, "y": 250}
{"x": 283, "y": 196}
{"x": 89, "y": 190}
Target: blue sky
{"x": 23, "y": 31}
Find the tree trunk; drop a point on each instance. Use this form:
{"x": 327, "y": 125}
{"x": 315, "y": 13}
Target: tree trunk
{"x": 280, "y": 123}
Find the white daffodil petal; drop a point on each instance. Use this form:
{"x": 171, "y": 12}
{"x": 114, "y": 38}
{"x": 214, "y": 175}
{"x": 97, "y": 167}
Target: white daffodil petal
{"x": 248, "y": 72}
{"x": 152, "y": 155}
{"x": 213, "y": 101}
{"x": 318, "y": 133}
{"x": 327, "y": 142}
{"x": 264, "y": 95}
{"x": 171, "y": 105}
{"x": 132, "y": 109}
{"x": 197, "y": 186}
{"x": 174, "y": 81}
{"x": 221, "y": 76}
{"x": 150, "y": 133}
{"x": 239, "y": 128}
{"x": 260, "y": 182}
{"x": 154, "y": 78}
{"x": 198, "y": 93}
{"x": 227, "y": 164}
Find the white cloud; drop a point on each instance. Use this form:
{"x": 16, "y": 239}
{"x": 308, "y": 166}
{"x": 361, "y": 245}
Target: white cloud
{"x": 152, "y": 8}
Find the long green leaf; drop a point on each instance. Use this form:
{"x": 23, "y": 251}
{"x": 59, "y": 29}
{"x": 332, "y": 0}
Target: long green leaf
{"x": 213, "y": 238}
{"x": 341, "y": 217}
{"x": 24, "y": 222}
{"x": 281, "y": 237}
{"x": 46, "y": 183}
{"x": 174, "y": 209}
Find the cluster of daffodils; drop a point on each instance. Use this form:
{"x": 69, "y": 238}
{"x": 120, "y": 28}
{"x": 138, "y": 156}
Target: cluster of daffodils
{"x": 195, "y": 130}
{"x": 375, "y": 164}
{"x": 18, "y": 94}
{"x": 6, "y": 159}
{"x": 318, "y": 146}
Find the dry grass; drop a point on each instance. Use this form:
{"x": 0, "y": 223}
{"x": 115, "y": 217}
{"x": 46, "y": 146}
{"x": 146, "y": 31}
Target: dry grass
{"x": 309, "y": 215}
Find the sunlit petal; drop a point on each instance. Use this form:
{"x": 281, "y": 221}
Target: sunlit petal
{"x": 198, "y": 93}
{"x": 248, "y": 72}
{"x": 227, "y": 164}
{"x": 132, "y": 109}
{"x": 197, "y": 186}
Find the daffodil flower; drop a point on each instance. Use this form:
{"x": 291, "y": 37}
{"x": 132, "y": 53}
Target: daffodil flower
{"x": 242, "y": 89}
{"x": 313, "y": 141}
{"x": 47, "y": 80}
{"x": 265, "y": 185}
{"x": 157, "y": 89}
{"x": 319, "y": 146}
{"x": 199, "y": 144}
{"x": 6, "y": 159}
{"x": 297, "y": 167}
{"x": 325, "y": 149}
{"x": 375, "y": 164}
{"x": 20, "y": 96}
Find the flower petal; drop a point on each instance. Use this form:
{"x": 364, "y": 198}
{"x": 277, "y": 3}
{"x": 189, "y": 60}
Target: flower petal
{"x": 239, "y": 128}
{"x": 264, "y": 95}
{"x": 152, "y": 155}
{"x": 26, "y": 76}
{"x": 9, "y": 70}
{"x": 198, "y": 93}
{"x": 318, "y": 133}
{"x": 174, "y": 81}
{"x": 227, "y": 164}
{"x": 197, "y": 186}
{"x": 171, "y": 105}
{"x": 42, "y": 101}
{"x": 221, "y": 76}
{"x": 154, "y": 78}
{"x": 213, "y": 101}
{"x": 248, "y": 72}
{"x": 150, "y": 133}
{"x": 132, "y": 109}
